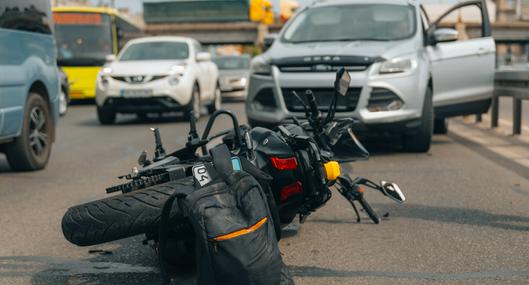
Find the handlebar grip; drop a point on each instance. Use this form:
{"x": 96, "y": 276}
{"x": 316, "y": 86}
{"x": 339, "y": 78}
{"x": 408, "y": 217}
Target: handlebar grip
{"x": 312, "y": 103}
{"x": 370, "y": 212}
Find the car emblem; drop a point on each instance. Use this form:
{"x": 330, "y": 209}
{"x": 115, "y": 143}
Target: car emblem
{"x": 135, "y": 79}
{"x": 322, "y": 67}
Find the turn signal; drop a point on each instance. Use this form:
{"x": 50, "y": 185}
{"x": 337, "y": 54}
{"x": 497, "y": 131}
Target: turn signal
{"x": 332, "y": 170}
{"x": 290, "y": 190}
{"x": 289, "y": 163}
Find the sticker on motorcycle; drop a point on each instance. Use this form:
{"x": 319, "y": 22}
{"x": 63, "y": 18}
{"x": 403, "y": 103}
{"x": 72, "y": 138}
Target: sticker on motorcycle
{"x": 200, "y": 172}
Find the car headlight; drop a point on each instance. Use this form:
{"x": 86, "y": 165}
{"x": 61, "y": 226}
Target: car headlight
{"x": 243, "y": 81}
{"x": 104, "y": 74}
{"x": 397, "y": 65}
{"x": 260, "y": 66}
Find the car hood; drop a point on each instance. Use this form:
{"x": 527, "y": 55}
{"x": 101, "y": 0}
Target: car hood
{"x": 234, "y": 73}
{"x": 144, "y": 67}
{"x": 384, "y": 49}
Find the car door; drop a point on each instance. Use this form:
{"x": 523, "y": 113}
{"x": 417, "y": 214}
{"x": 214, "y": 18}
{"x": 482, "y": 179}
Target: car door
{"x": 463, "y": 69}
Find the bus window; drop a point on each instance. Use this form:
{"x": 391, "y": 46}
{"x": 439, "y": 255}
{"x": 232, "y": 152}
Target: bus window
{"x": 83, "y": 39}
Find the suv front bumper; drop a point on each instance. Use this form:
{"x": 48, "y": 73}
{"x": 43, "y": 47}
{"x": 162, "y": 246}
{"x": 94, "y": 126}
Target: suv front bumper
{"x": 266, "y": 104}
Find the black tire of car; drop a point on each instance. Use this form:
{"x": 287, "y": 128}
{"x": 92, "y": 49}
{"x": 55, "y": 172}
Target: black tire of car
{"x": 193, "y": 105}
{"x": 217, "y": 101}
{"x": 119, "y": 216}
{"x": 24, "y": 153}
{"x": 106, "y": 116}
{"x": 440, "y": 126}
{"x": 422, "y": 139}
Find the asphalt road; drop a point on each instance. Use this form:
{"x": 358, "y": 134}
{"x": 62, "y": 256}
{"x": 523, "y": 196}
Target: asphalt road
{"x": 466, "y": 220}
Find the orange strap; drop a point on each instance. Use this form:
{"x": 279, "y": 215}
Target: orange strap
{"x": 242, "y": 231}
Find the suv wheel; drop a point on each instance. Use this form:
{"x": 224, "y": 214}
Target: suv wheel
{"x": 194, "y": 105}
{"x": 31, "y": 151}
{"x": 420, "y": 141}
{"x": 106, "y": 116}
{"x": 217, "y": 101}
{"x": 440, "y": 126}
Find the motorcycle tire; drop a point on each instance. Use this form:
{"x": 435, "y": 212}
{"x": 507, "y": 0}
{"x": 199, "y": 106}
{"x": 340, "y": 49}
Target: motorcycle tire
{"x": 119, "y": 216}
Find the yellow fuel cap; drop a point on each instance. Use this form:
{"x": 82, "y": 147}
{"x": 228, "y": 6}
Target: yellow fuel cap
{"x": 332, "y": 170}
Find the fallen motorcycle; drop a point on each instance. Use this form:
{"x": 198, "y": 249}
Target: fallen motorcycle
{"x": 302, "y": 157}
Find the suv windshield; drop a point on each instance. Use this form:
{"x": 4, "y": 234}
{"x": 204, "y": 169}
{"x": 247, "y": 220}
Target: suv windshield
{"x": 376, "y": 22}
{"x": 155, "y": 51}
{"x": 230, "y": 63}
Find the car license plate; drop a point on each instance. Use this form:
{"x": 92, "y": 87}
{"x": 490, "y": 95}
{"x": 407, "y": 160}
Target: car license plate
{"x": 136, "y": 93}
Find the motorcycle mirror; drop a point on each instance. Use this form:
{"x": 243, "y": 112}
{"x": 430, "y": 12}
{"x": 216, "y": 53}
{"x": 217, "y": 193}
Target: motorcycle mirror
{"x": 343, "y": 79}
{"x": 392, "y": 191}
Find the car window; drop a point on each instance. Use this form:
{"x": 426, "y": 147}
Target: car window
{"x": 381, "y": 22}
{"x": 155, "y": 51}
{"x": 26, "y": 15}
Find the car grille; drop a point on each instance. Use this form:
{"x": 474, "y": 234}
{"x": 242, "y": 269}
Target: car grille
{"x": 323, "y": 98}
{"x": 324, "y": 63}
{"x": 321, "y": 68}
{"x": 138, "y": 79}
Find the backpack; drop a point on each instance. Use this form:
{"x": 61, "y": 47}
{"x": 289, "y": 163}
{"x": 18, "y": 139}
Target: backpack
{"x": 235, "y": 240}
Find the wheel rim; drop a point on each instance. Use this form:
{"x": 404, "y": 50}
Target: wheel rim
{"x": 38, "y": 137}
{"x": 218, "y": 99}
{"x": 63, "y": 105}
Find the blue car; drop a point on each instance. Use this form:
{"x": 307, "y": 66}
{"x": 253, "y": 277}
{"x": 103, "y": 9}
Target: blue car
{"x": 29, "y": 83}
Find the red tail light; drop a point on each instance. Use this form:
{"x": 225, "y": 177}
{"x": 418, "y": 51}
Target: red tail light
{"x": 290, "y": 190}
{"x": 289, "y": 163}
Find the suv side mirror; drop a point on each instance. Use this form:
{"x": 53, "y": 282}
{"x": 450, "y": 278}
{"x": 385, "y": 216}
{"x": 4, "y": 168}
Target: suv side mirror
{"x": 343, "y": 79}
{"x": 110, "y": 58}
{"x": 269, "y": 40}
{"x": 203, "y": 56}
{"x": 445, "y": 35}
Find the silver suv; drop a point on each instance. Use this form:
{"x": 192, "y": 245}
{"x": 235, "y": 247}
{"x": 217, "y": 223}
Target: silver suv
{"x": 408, "y": 73}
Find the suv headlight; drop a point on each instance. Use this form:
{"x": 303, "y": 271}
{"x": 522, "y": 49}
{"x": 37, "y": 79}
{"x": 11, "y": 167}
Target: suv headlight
{"x": 104, "y": 74}
{"x": 175, "y": 73}
{"x": 398, "y": 65}
{"x": 260, "y": 66}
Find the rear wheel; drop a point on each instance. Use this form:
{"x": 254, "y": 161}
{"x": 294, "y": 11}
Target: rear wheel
{"x": 421, "y": 140}
{"x": 106, "y": 115}
{"x": 32, "y": 149}
{"x": 119, "y": 216}
{"x": 441, "y": 126}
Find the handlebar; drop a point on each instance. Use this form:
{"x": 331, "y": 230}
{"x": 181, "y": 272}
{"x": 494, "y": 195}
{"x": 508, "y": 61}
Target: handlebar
{"x": 370, "y": 212}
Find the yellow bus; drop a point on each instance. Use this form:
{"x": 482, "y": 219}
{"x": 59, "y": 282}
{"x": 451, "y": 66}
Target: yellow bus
{"x": 85, "y": 37}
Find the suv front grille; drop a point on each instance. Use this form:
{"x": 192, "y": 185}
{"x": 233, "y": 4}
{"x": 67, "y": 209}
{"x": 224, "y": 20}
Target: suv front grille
{"x": 139, "y": 79}
{"x": 323, "y": 98}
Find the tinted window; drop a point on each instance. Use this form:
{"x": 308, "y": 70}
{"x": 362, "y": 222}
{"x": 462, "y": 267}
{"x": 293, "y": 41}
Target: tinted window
{"x": 352, "y": 22}
{"x": 155, "y": 51}
{"x": 26, "y": 15}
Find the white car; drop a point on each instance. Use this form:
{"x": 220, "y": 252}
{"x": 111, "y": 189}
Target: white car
{"x": 158, "y": 75}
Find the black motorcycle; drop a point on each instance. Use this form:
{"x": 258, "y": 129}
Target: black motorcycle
{"x": 302, "y": 157}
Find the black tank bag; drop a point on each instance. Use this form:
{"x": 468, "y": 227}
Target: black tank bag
{"x": 235, "y": 238}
